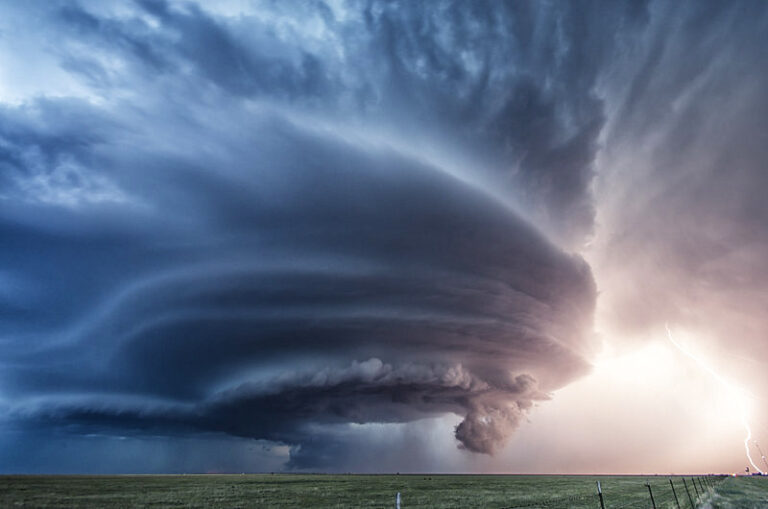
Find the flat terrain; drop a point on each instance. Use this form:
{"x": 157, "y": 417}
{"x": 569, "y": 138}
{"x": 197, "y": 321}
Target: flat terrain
{"x": 741, "y": 493}
{"x": 417, "y": 491}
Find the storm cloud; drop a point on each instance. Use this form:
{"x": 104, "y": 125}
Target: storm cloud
{"x": 305, "y": 226}
{"x": 333, "y": 284}
{"x": 682, "y": 181}
{"x": 238, "y": 225}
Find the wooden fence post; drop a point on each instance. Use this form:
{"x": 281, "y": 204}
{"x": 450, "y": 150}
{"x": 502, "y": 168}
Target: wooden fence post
{"x": 600, "y": 495}
{"x": 653, "y": 502}
{"x": 689, "y": 493}
{"x": 674, "y": 493}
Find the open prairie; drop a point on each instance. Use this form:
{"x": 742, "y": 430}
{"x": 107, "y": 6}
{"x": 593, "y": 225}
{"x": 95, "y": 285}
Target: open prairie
{"x": 417, "y": 491}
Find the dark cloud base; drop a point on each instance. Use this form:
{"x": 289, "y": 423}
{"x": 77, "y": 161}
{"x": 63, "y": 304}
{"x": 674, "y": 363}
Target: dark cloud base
{"x": 364, "y": 288}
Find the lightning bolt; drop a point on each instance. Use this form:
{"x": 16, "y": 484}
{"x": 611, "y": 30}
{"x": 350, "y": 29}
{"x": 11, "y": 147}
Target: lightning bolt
{"x": 742, "y": 399}
{"x": 765, "y": 462}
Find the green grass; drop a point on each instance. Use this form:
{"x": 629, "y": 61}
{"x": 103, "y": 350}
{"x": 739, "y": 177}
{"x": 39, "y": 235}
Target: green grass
{"x": 329, "y": 491}
{"x": 740, "y": 493}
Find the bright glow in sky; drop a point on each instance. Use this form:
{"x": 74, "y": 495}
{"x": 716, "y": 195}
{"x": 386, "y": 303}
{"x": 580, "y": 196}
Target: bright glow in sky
{"x": 652, "y": 405}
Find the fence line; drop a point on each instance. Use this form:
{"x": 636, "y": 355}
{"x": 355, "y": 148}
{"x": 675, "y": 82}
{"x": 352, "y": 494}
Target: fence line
{"x": 706, "y": 484}
{"x": 658, "y": 497}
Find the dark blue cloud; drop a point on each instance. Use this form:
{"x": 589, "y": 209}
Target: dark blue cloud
{"x": 303, "y": 217}
{"x": 440, "y": 297}
{"x": 511, "y": 84}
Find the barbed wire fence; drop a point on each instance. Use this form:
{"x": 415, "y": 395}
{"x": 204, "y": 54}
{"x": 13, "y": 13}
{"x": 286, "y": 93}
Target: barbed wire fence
{"x": 675, "y": 492}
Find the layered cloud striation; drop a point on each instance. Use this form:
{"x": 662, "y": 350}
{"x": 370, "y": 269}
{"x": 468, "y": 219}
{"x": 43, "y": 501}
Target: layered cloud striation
{"x": 272, "y": 224}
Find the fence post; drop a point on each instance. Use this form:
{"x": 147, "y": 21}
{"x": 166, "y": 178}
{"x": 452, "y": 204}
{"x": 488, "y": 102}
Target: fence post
{"x": 398, "y": 500}
{"x": 674, "y": 493}
{"x": 701, "y": 486}
{"x": 695, "y": 488}
{"x": 688, "y": 492}
{"x": 600, "y": 495}
{"x": 653, "y": 502}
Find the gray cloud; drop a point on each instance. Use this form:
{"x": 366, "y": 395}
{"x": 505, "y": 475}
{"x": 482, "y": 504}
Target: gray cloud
{"x": 510, "y": 86}
{"x": 683, "y": 175}
{"x": 305, "y": 217}
{"x": 175, "y": 309}
{"x": 681, "y": 188}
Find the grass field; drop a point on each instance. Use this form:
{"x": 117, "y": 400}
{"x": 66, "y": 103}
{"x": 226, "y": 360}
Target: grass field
{"x": 740, "y": 493}
{"x": 418, "y": 491}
